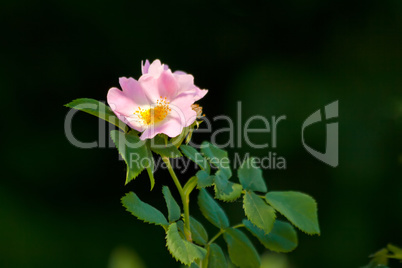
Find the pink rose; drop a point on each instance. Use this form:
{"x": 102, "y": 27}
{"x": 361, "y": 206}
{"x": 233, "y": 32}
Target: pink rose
{"x": 159, "y": 102}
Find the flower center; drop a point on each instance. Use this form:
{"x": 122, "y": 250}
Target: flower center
{"x": 155, "y": 114}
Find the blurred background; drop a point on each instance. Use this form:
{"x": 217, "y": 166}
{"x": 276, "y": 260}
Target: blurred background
{"x": 60, "y": 205}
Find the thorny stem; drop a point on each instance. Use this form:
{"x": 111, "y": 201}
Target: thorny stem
{"x": 185, "y": 200}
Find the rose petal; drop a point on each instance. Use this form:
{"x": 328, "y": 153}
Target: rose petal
{"x": 180, "y": 116}
{"x": 171, "y": 126}
{"x": 186, "y": 85}
{"x": 179, "y": 72}
{"x": 156, "y": 68}
{"x": 167, "y": 85}
{"x": 145, "y": 67}
{"x": 119, "y": 102}
{"x": 134, "y": 122}
{"x": 185, "y": 82}
{"x": 132, "y": 88}
{"x": 200, "y": 93}
{"x": 150, "y": 86}
{"x": 156, "y": 88}
{"x": 181, "y": 108}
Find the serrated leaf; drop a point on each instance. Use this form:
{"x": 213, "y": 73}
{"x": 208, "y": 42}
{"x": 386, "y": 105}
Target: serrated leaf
{"x": 233, "y": 196}
{"x": 192, "y": 154}
{"x": 217, "y": 157}
{"x": 300, "y": 209}
{"x": 133, "y": 151}
{"x": 198, "y": 232}
{"x": 172, "y": 206}
{"x": 241, "y": 251}
{"x": 181, "y": 249}
{"x": 282, "y": 238}
{"x": 97, "y": 109}
{"x": 204, "y": 180}
{"x": 259, "y": 212}
{"x": 211, "y": 210}
{"x": 225, "y": 190}
{"x": 164, "y": 147}
{"x": 250, "y": 176}
{"x": 142, "y": 210}
{"x": 216, "y": 257}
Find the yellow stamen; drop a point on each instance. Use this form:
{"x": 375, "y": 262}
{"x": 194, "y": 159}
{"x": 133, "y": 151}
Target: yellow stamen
{"x": 198, "y": 109}
{"x": 155, "y": 114}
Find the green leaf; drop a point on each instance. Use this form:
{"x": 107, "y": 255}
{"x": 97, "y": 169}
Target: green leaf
{"x": 217, "y": 157}
{"x": 282, "y": 238}
{"x": 259, "y": 212}
{"x": 177, "y": 141}
{"x": 250, "y": 176}
{"x": 375, "y": 265}
{"x": 125, "y": 257}
{"x": 216, "y": 257}
{"x": 142, "y": 210}
{"x": 225, "y": 190}
{"x": 198, "y": 232}
{"x": 173, "y": 207}
{"x": 380, "y": 259}
{"x": 97, "y": 109}
{"x": 192, "y": 154}
{"x": 397, "y": 252}
{"x": 241, "y": 250}
{"x": 234, "y": 194}
{"x": 194, "y": 265}
{"x": 190, "y": 185}
{"x": 150, "y": 171}
{"x": 164, "y": 148}
{"x": 211, "y": 210}
{"x": 204, "y": 180}
{"x": 180, "y": 226}
{"x": 181, "y": 249}
{"x": 300, "y": 209}
{"x": 151, "y": 168}
{"x": 133, "y": 151}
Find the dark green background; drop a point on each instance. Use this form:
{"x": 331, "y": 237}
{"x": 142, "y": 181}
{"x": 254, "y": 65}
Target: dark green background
{"x": 60, "y": 205}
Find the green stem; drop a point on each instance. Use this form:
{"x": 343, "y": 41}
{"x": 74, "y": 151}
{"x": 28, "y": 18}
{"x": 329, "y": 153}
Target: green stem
{"x": 216, "y": 237}
{"x": 260, "y": 196}
{"x": 185, "y": 200}
{"x": 238, "y": 226}
{"x": 222, "y": 231}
